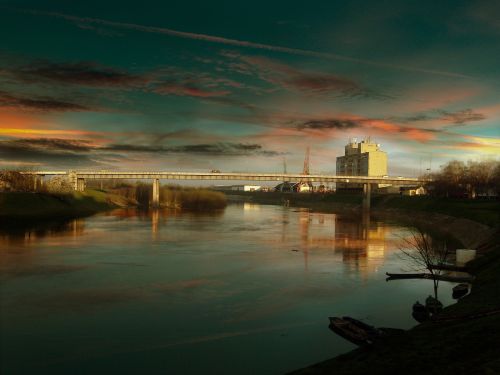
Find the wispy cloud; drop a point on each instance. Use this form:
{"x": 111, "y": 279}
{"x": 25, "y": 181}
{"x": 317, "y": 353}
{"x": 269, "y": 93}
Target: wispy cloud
{"x": 82, "y": 73}
{"x": 239, "y": 43}
{"x": 326, "y": 124}
{"x": 81, "y": 152}
{"x": 212, "y": 149}
{"x": 188, "y": 89}
{"x": 39, "y": 104}
{"x": 283, "y": 76}
{"x": 459, "y": 117}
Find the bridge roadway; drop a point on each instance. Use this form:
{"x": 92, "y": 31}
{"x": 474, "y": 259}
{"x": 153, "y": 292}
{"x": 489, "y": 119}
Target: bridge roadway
{"x": 78, "y": 179}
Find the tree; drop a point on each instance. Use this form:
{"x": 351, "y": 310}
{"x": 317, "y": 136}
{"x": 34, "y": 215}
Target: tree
{"x": 425, "y": 252}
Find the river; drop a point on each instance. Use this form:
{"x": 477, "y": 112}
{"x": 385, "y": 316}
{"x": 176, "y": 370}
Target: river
{"x": 245, "y": 291}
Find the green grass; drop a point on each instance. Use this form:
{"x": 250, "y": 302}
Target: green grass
{"x": 33, "y": 205}
{"x": 482, "y": 211}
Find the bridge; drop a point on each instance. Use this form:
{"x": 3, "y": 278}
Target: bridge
{"x": 78, "y": 179}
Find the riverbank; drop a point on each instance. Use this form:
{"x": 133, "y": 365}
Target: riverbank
{"x": 463, "y": 344}
{"x": 464, "y": 341}
{"x": 36, "y": 206}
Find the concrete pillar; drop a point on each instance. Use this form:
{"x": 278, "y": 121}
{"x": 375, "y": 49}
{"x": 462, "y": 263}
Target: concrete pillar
{"x": 80, "y": 184}
{"x": 72, "y": 177}
{"x": 366, "y": 197}
{"x": 156, "y": 193}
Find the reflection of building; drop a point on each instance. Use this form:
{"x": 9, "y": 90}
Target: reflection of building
{"x": 361, "y": 159}
{"x": 362, "y": 243}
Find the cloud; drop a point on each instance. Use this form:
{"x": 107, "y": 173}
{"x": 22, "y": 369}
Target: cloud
{"x": 40, "y": 104}
{"x": 290, "y": 78}
{"x": 85, "y": 153}
{"x": 239, "y": 43}
{"x": 168, "y": 80}
{"x": 54, "y": 144}
{"x": 188, "y": 89}
{"x": 52, "y": 151}
{"x": 78, "y": 73}
{"x": 460, "y": 117}
{"x": 341, "y": 124}
{"x": 212, "y": 149}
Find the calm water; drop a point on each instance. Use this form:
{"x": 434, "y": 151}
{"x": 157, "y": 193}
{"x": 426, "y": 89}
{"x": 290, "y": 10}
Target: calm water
{"x": 245, "y": 291}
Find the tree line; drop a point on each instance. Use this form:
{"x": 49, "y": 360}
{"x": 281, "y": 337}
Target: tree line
{"x": 473, "y": 179}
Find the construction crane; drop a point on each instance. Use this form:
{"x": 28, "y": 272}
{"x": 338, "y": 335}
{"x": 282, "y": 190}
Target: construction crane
{"x": 305, "y": 170}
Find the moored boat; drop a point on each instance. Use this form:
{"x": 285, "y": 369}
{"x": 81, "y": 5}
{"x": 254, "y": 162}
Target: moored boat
{"x": 353, "y": 330}
{"x": 460, "y": 290}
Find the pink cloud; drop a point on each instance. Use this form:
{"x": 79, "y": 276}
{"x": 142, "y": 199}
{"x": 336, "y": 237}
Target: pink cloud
{"x": 184, "y": 90}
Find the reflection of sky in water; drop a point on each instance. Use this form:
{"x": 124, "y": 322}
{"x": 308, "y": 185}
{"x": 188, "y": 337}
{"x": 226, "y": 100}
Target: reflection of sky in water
{"x": 247, "y": 290}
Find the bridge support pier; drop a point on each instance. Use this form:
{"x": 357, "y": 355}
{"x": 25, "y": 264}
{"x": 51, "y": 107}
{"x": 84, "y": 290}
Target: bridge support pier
{"x": 80, "y": 184}
{"x": 156, "y": 193}
{"x": 38, "y": 181}
{"x": 366, "y": 197}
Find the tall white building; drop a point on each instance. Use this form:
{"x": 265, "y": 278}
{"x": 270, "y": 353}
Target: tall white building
{"x": 362, "y": 159}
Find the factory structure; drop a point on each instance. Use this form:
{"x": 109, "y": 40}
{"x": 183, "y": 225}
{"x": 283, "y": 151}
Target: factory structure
{"x": 363, "y": 158}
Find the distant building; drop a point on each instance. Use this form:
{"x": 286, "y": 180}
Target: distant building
{"x": 361, "y": 159}
{"x": 294, "y": 187}
{"x": 238, "y": 187}
{"x": 286, "y": 187}
{"x": 412, "y": 190}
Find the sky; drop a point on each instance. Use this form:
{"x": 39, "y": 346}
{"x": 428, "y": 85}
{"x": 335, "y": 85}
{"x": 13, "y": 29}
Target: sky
{"x": 246, "y": 86}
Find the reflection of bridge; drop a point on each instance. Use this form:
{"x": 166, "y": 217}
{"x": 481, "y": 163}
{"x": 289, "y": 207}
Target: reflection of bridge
{"x": 78, "y": 179}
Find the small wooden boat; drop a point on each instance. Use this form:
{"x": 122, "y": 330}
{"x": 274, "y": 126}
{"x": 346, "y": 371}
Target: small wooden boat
{"x": 406, "y": 275}
{"x": 460, "y": 290}
{"x": 428, "y": 276}
{"x": 353, "y": 330}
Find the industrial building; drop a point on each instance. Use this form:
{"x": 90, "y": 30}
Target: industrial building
{"x": 363, "y": 158}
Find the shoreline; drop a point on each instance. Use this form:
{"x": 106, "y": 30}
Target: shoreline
{"x": 21, "y": 207}
{"x": 465, "y": 345}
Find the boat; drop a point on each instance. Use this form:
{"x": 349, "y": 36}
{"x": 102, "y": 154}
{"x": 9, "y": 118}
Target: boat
{"x": 428, "y": 276}
{"x": 433, "y": 305}
{"x": 460, "y": 290}
{"x": 405, "y": 275}
{"x": 353, "y": 330}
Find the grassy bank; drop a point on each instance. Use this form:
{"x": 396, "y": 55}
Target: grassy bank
{"x": 185, "y": 198}
{"x": 67, "y": 205}
{"x": 192, "y": 199}
{"x": 465, "y": 343}
{"x": 482, "y": 211}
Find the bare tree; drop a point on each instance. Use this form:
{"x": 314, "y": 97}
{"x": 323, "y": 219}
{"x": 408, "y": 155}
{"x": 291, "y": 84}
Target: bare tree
{"x": 425, "y": 252}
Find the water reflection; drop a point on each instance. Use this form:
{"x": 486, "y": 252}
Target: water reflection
{"x": 192, "y": 291}
{"x": 360, "y": 241}
{"x": 15, "y": 232}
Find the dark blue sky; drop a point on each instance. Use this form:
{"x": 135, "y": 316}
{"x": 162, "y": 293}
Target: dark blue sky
{"x": 242, "y": 85}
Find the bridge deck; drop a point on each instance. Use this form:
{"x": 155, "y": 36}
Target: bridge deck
{"x": 247, "y": 176}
